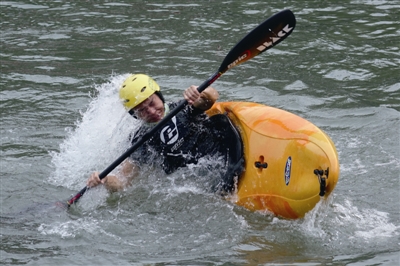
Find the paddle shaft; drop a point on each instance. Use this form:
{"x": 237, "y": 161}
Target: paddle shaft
{"x": 263, "y": 37}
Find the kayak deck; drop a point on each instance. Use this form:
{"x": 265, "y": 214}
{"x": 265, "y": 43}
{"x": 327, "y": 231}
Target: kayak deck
{"x": 289, "y": 162}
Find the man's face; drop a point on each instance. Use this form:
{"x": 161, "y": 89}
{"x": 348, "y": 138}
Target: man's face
{"x": 150, "y": 110}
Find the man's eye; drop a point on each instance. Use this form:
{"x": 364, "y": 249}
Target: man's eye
{"x": 141, "y": 110}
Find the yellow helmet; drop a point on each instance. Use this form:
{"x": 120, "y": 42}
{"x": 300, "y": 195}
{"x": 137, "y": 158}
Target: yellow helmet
{"x": 137, "y": 88}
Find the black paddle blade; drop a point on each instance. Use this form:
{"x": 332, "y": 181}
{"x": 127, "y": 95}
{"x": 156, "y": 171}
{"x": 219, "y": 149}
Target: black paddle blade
{"x": 266, "y": 35}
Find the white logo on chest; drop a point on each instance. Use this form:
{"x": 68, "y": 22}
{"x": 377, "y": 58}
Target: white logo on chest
{"x": 169, "y": 134}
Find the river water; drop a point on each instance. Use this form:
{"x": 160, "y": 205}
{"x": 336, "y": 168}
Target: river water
{"x": 61, "y": 65}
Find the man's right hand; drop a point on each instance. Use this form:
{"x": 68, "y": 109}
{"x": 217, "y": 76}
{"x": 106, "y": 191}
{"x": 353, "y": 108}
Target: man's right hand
{"x": 113, "y": 183}
{"x": 94, "y": 180}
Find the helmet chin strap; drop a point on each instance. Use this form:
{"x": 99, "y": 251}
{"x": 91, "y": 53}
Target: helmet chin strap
{"x": 166, "y": 109}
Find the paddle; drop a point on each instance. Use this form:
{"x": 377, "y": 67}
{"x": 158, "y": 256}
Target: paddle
{"x": 264, "y": 36}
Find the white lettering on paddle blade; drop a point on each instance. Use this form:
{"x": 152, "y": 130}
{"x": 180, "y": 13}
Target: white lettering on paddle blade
{"x": 274, "y": 40}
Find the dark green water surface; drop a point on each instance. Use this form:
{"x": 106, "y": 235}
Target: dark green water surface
{"x": 61, "y": 66}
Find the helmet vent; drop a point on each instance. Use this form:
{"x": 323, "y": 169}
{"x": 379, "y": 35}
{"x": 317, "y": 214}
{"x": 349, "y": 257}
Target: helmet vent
{"x": 143, "y": 89}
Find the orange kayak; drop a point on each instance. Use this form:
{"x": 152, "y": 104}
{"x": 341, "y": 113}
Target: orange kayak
{"x": 290, "y": 164}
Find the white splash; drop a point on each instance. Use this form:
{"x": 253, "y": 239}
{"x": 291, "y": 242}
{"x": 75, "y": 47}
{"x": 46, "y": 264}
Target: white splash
{"x": 70, "y": 229}
{"x": 366, "y": 223}
{"x": 99, "y": 138}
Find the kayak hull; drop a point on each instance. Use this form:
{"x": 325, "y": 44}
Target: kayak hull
{"x": 290, "y": 164}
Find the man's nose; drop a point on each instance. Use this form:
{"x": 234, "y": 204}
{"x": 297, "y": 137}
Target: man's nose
{"x": 151, "y": 110}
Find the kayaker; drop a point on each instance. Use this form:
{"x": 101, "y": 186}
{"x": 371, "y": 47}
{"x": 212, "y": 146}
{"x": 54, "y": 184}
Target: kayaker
{"x": 187, "y": 137}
